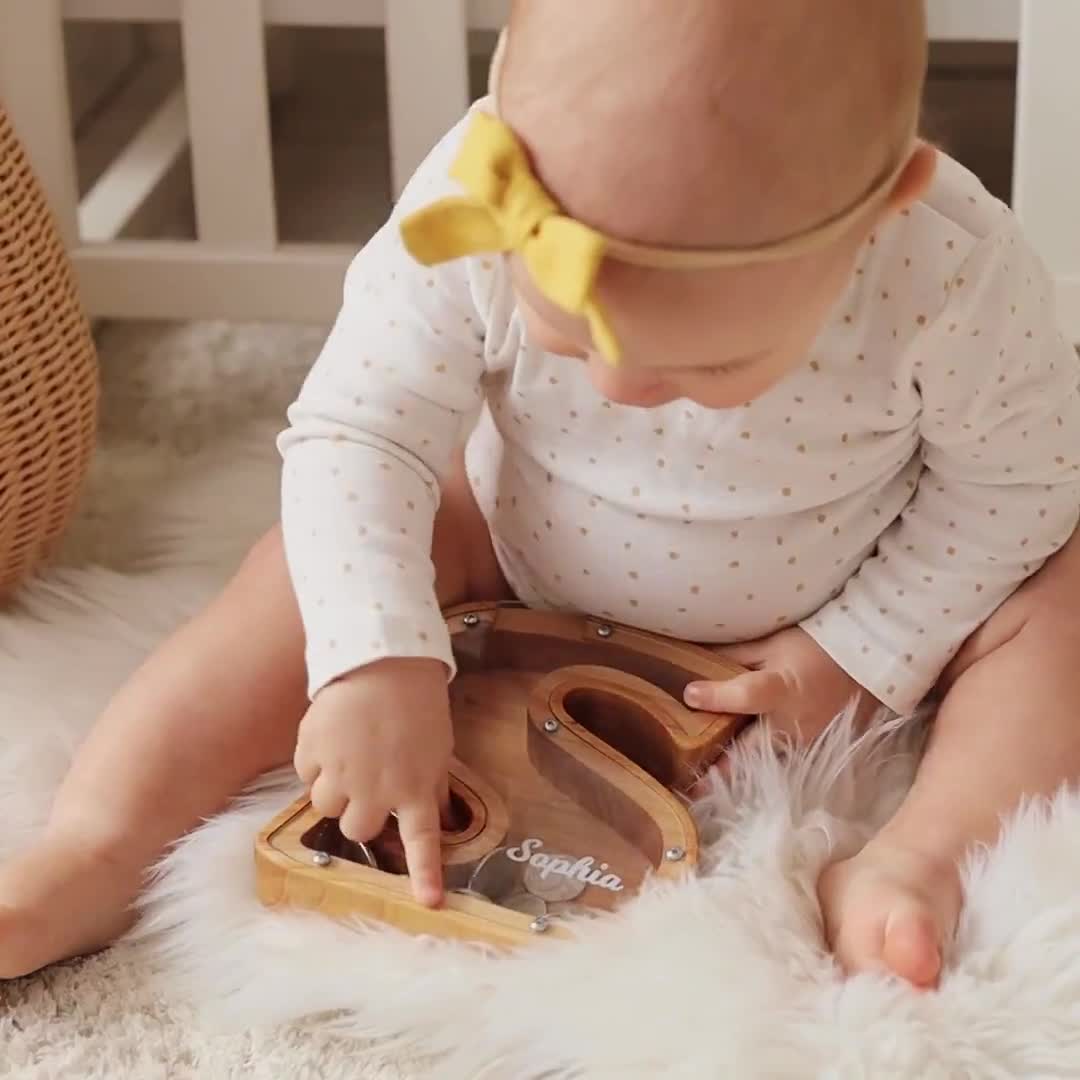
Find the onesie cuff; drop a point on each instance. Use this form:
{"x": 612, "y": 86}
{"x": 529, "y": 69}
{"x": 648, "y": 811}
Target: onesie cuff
{"x": 347, "y": 644}
{"x": 900, "y": 676}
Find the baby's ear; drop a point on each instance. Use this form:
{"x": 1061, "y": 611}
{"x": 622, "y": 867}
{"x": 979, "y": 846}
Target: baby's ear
{"x": 917, "y": 176}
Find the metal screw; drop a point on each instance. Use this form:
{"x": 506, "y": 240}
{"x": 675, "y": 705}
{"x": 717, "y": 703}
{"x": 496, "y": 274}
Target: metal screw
{"x": 675, "y": 854}
{"x": 551, "y": 726}
{"x": 320, "y": 858}
{"x": 540, "y": 925}
{"x": 471, "y": 620}
{"x": 604, "y": 631}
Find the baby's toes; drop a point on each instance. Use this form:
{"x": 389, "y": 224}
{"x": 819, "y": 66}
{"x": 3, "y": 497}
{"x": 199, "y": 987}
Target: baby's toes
{"x": 888, "y": 912}
{"x": 911, "y": 947}
{"x": 854, "y": 923}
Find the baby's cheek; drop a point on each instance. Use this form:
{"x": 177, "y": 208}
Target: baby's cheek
{"x": 547, "y": 337}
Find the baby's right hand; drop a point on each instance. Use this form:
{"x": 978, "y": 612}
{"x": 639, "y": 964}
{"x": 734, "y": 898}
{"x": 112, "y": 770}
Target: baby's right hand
{"x": 380, "y": 740}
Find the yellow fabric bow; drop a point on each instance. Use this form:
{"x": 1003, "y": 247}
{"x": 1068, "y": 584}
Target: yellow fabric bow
{"x": 508, "y": 210}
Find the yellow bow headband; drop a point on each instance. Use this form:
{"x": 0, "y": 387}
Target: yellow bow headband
{"x": 507, "y": 209}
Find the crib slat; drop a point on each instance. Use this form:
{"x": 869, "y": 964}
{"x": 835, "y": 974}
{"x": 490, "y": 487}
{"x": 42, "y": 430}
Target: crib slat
{"x": 228, "y": 112}
{"x": 427, "y": 77}
{"x": 985, "y": 20}
{"x": 1047, "y": 158}
{"x": 1047, "y": 151}
{"x": 275, "y": 12}
{"x": 131, "y": 279}
{"x": 33, "y": 86}
{"x": 135, "y": 173}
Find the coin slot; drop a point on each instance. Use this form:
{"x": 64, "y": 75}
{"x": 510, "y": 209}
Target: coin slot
{"x": 326, "y": 836}
{"x": 387, "y": 848}
{"x": 626, "y": 726}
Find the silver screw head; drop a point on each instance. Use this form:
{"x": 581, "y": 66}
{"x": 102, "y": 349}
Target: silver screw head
{"x": 471, "y": 620}
{"x": 540, "y": 925}
{"x": 551, "y": 726}
{"x": 320, "y": 858}
{"x": 604, "y": 630}
{"x": 675, "y": 854}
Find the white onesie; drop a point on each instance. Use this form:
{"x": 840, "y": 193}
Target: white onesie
{"x": 887, "y": 496}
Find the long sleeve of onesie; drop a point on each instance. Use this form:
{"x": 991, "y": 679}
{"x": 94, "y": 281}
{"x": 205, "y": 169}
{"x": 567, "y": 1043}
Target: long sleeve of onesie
{"x": 999, "y": 491}
{"x": 377, "y": 421}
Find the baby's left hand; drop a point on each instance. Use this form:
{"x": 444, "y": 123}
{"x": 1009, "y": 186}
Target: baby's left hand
{"x": 793, "y": 685}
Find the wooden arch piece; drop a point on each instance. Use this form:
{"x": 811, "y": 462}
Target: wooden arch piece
{"x": 573, "y": 753}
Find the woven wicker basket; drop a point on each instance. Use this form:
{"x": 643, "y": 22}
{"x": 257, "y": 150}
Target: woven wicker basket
{"x": 48, "y": 372}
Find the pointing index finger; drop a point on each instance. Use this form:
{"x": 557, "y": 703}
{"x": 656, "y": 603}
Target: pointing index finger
{"x": 421, "y": 836}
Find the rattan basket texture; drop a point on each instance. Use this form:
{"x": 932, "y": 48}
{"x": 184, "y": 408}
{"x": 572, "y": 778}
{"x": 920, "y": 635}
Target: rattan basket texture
{"x": 48, "y": 373}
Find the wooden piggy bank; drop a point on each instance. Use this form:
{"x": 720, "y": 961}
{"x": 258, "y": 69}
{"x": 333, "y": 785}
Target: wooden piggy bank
{"x": 572, "y": 754}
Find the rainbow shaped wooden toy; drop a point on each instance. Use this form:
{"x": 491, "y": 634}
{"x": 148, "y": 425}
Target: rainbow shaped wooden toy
{"x": 573, "y": 756}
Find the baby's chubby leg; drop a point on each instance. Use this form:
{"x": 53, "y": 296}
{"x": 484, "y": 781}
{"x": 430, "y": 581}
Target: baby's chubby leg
{"x": 217, "y": 705}
{"x": 210, "y": 710}
{"x": 1008, "y": 727}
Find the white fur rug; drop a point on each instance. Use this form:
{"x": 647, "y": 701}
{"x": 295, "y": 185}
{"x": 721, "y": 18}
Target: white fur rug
{"x": 723, "y": 978}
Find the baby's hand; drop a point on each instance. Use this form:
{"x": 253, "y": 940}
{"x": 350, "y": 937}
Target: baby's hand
{"x": 376, "y": 741}
{"x": 794, "y": 686}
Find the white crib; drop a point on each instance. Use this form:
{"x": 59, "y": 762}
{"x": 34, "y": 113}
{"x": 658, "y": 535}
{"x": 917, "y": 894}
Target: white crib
{"x": 237, "y": 268}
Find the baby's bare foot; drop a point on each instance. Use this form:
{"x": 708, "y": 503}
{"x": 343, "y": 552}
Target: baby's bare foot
{"x": 61, "y": 898}
{"x": 890, "y": 909}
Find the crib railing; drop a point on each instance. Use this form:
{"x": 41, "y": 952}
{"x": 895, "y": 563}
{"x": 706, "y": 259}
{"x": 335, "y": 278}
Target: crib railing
{"x": 237, "y": 268}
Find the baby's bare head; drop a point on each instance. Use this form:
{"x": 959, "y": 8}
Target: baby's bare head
{"x": 704, "y": 123}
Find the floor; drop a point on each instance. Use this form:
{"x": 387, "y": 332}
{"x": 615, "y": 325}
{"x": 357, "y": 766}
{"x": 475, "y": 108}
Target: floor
{"x": 183, "y": 481}
{"x": 331, "y": 145}
{"x": 185, "y": 478}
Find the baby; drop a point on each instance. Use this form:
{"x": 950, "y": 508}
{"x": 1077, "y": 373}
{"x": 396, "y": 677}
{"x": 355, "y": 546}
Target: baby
{"x": 738, "y": 359}
{"x": 761, "y": 368}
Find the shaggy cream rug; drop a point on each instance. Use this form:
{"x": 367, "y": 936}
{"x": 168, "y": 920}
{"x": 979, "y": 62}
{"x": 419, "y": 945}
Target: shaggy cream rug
{"x": 726, "y": 977}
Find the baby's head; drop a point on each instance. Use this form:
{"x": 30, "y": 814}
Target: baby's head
{"x": 714, "y": 124}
